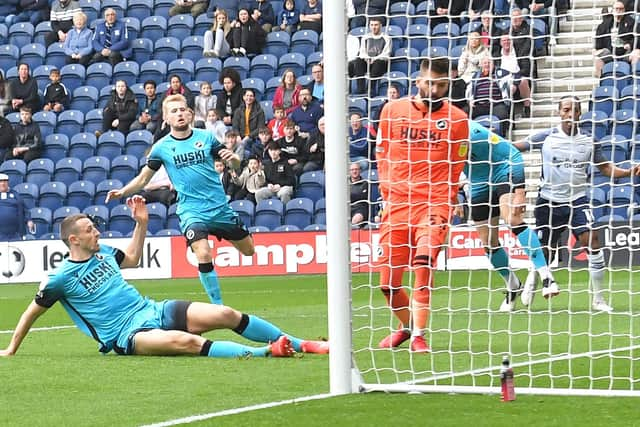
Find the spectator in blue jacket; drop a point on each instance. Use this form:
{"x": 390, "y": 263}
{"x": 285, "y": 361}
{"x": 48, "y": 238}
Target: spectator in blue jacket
{"x": 110, "y": 39}
{"x": 77, "y": 45}
{"x": 13, "y": 215}
{"x": 289, "y": 17}
{"x": 307, "y": 114}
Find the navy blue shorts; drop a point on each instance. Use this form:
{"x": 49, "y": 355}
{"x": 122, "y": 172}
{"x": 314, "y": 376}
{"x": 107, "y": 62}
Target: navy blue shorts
{"x": 230, "y": 231}
{"x": 553, "y": 218}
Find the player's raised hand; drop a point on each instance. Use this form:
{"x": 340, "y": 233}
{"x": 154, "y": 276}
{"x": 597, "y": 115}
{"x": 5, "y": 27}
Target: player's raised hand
{"x": 138, "y": 206}
{"x": 113, "y": 194}
{"x": 227, "y": 155}
{"x": 635, "y": 170}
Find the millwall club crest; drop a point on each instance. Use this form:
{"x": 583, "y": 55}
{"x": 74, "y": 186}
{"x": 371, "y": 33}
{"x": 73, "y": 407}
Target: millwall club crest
{"x": 441, "y": 124}
{"x": 199, "y": 145}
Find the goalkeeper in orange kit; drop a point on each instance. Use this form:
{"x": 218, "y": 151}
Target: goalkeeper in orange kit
{"x": 421, "y": 151}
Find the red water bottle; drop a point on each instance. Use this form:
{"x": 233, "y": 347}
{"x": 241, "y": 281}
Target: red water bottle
{"x": 506, "y": 381}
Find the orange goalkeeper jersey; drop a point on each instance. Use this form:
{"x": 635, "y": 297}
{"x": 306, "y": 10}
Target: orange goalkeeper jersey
{"x": 420, "y": 153}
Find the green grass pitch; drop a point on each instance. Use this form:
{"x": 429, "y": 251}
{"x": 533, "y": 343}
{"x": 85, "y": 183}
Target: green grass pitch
{"x": 59, "y": 378}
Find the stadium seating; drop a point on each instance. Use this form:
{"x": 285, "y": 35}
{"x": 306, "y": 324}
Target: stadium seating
{"x": 72, "y": 76}
{"x": 60, "y": 214}
{"x": 240, "y": 64}
{"x": 15, "y": 169}
{"x": 161, "y": 7}
{"x": 157, "y": 217}
{"x": 263, "y": 67}
{"x": 70, "y": 122}
{"x": 39, "y": 171}
{"x": 93, "y": 121}
{"x": 127, "y": 71}
{"x": 100, "y": 215}
{"x": 153, "y": 27}
{"x": 68, "y": 170}
{"x": 138, "y": 142}
{"x": 91, "y": 8}
{"x": 172, "y": 218}
{"x": 141, "y": 50}
{"x": 40, "y": 32}
{"x": 33, "y": 54}
{"x": 155, "y": 70}
{"x": 192, "y": 48}
{"x": 180, "y": 26}
{"x": 257, "y": 85}
{"x": 595, "y": 123}
{"x": 41, "y": 218}
{"x": 41, "y": 74}
{"x": 140, "y": 9}
{"x": 299, "y": 212}
{"x": 304, "y": 42}
{"x": 620, "y": 199}
{"x": 311, "y": 185}
{"x": 81, "y": 194}
{"x": 21, "y": 34}
{"x": 278, "y": 43}
{"x": 269, "y": 213}
{"x": 103, "y": 188}
{"x": 124, "y": 168}
{"x": 46, "y": 121}
{"x": 29, "y": 194}
{"x": 168, "y": 232}
{"x": 84, "y": 98}
{"x": 9, "y": 55}
{"x": 166, "y": 49}
{"x": 208, "y": 69}
{"x": 121, "y": 220}
{"x": 52, "y": 195}
{"x": 183, "y": 68}
{"x": 287, "y": 228}
{"x": 313, "y": 59}
{"x": 245, "y": 210}
{"x": 82, "y": 145}
{"x": 603, "y": 99}
{"x": 96, "y": 169}
{"x": 110, "y": 144}
{"x": 293, "y": 61}
{"x": 624, "y": 123}
{"x": 203, "y": 24}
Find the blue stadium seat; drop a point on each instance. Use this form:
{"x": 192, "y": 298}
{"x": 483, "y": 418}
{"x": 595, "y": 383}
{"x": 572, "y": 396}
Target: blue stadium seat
{"x": 47, "y": 122}
{"x": 192, "y": 48}
{"x": 161, "y": 7}
{"x": 208, "y": 69}
{"x": 52, "y": 195}
{"x": 245, "y": 210}
{"x": 141, "y": 50}
{"x": 617, "y": 74}
{"x": 99, "y": 215}
{"x": 111, "y": 144}
{"x": 313, "y": 59}
{"x": 624, "y": 123}
{"x": 611, "y": 218}
{"x": 120, "y": 6}
{"x": 202, "y": 25}
{"x": 121, "y": 220}
{"x": 96, "y": 169}
{"x": 9, "y": 55}
{"x": 311, "y": 185}
{"x": 603, "y": 99}
{"x": 263, "y": 67}
{"x": 315, "y": 227}
{"x": 194, "y": 87}
{"x": 615, "y": 147}
{"x": 287, "y": 228}
{"x": 153, "y": 27}
{"x": 41, "y": 218}
{"x": 630, "y": 98}
{"x": 400, "y": 12}
{"x": 396, "y": 34}
{"x": 85, "y": 98}
{"x": 271, "y": 86}
{"x": 56, "y": 146}
{"x": 416, "y": 37}
{"x": 29, "y": 194}
{"x": 11, "y": 74}
{"x": 157, "y": 217}
{"x": 594, "y": 123}
{"x": 104, "y": 97}
{"x": 405, "y": 60}
{"x": 445, "y": 35}
{"x": 21, "y": 33}
{"x": 56, "y": 56}
{"x": 133, "y": 28}
{"x": 240, "y": 64}
{"x": 83, "y": 145}
{"x": 299, "y": 212}
{"x": 304, "y": 80}
{"x": 257, "y": 85}
{"x": 140, "y": 9}
{"x": 598, "y": 200}
{"x": 621, "y": 199}
{"x": 294, "y": 61}
{"x": 183, "y": 68}
{"x": 127, "y": 71}
{"x": 13, "y": 118}
{"x": 168, "y": 232}
{"x": 68, "y": 170}
{"x": 124, "y": 168}
{"x": 103, "y": 188}
{"x": 4, "y": 33}
{"x": 269, "y": 213}
{"x": 172, "y": 217}
{"x": 70, "y": 122}
{"x": 166, "y": 49}
{"x": 155, "y": 70}
{"x": 16, "y": 169}
{"x": 91, "y": 8}
{"x": 259, "y": 229}
{"x": 99, "y": 75}
{"x": 180, "y": 26}
{"x": 39, "y": 171}
{"x": 33, "y": 54}
{"x": 278, "y": 43}
{"x": 72, "y": 76}
{"x": 357, "y": 104}
{"x": 80, "y": 194}
{"x": 267, "y": 107}
{"x": 138, "y": 142}
{"x": 539, "y": 28}
{"x": 60, "y": 214}
{"x": 304, "y": 42}
{"x": 138, "y": 91}
{"x": 41, "y": 74}
{"x": 40, "y": 32}
{"x": 93, "y": 121}
{"x": 397, "y": 77}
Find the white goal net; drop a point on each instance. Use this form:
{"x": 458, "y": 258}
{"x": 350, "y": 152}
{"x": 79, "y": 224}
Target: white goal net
{"x": 566, "y": 344}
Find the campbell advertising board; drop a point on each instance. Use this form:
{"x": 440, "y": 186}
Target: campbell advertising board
{"x": 31, "y": 261}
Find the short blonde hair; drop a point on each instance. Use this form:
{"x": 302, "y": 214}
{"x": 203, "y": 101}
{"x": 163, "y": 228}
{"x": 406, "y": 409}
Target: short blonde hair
{"x": 172, "y": 98}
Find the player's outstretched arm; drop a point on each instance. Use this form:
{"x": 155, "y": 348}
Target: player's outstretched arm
{"x": 135, "y": 185}
{"x": 230, "y": 157}
{"x": 22, "y": 329}
{"x": 610, "y": 169}
{"x": 132, "y": 254}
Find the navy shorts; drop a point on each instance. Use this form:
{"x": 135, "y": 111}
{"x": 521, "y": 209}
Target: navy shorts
{"x": 486, "y": 204}
{"x": 230, "y": 231}
{"x": 552, "y": 219}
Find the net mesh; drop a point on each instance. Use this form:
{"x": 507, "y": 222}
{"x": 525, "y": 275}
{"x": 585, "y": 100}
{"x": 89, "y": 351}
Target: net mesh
{"x": 558, "y": 345}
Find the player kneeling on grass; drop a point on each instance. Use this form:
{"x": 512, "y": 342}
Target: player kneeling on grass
{"x": 90, "y": 286}
{"x": 496, "y": 174}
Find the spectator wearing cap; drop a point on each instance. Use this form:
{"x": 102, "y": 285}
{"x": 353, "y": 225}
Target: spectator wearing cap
{"x": 13, "y": 214}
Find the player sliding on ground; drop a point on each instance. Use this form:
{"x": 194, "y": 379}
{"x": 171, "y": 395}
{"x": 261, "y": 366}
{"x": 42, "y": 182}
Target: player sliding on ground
{"x": 495, "y": 170}
{"x": 421, "y": 151}
{"x": 90, "y": 287}
{"x": 566, "y": 158}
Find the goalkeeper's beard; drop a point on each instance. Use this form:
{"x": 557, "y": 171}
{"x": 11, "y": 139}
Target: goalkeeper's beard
{"x": 432, "y": 105}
